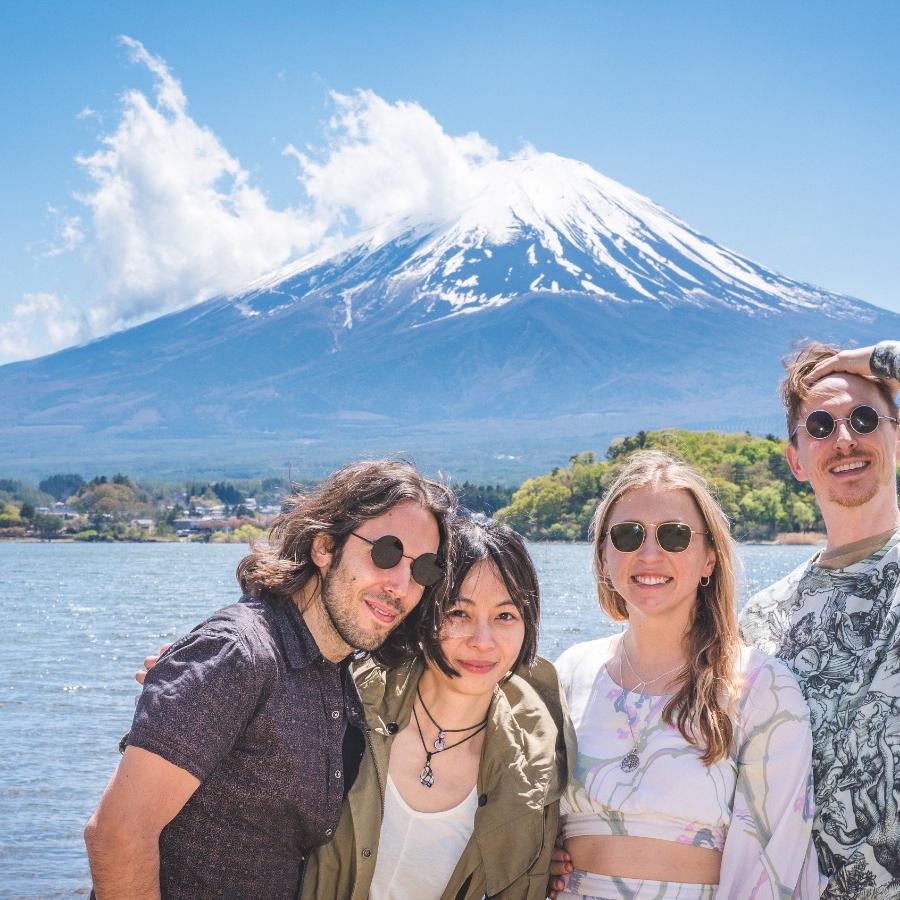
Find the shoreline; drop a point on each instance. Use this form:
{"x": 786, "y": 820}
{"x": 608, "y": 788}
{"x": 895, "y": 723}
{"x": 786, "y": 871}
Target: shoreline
{"x": 788, "y": 539}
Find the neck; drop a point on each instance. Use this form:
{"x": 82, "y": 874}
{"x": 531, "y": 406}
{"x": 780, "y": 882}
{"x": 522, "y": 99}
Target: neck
{"x": 655, "y": 646}
{"x": 848, "y": 524}
{"x": 448, "y": 707}
{"x": 309, "y": 601}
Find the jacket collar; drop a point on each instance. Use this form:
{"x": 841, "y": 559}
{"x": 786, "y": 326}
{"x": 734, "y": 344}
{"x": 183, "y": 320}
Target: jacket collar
{"x": 523, "y": 761}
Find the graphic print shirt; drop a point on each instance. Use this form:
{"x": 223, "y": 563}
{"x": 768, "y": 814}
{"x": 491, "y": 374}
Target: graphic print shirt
{"x": 839, "y": 631}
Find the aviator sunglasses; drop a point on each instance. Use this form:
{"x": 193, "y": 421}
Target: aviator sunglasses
{"x": 820, "y": 424}
{"x": 673, "y": 537}
{"x": 387, "y": 551}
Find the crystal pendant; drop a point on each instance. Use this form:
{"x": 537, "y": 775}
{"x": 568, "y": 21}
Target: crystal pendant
{"x": 441, "y": 741}
{"x": 427, "y": 777}
{"x": 630, "y": 761}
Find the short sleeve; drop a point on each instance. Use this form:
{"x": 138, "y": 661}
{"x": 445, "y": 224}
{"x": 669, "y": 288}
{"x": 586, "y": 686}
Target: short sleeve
{"x": 197, "y": 700}
{"x": 768, "y": 851}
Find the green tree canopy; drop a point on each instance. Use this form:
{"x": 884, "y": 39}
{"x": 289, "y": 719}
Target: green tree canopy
{"x": 749, "y": 477}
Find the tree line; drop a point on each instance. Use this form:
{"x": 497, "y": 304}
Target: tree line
{"x": 749, "y": 476}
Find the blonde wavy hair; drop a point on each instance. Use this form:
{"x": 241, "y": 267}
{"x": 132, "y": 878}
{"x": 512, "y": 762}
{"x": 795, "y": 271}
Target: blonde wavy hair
{"x": 700, "y": 708}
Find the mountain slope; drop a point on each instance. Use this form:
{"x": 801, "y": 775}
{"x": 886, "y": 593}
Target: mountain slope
{"x": 555, "y": 310}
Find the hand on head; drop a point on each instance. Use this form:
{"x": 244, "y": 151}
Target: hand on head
{"x": 852, "y": 362}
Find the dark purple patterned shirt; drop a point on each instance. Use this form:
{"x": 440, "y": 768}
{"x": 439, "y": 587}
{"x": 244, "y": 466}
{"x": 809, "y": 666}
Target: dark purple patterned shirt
{"x": 248, "y": 705}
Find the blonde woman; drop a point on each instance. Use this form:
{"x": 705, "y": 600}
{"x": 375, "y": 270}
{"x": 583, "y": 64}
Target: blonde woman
{"x": 692, "y": 778}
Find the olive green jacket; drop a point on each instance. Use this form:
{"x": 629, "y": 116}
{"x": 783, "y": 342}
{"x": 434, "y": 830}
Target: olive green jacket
{"x": 522, "y": 774}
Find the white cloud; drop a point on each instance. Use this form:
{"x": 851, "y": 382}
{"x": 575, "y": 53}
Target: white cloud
{"x": 69, "y": 234}
{"x": 392, "y": 159}
{"x": 173, "y": 218}
{"x": 39, "y": 324}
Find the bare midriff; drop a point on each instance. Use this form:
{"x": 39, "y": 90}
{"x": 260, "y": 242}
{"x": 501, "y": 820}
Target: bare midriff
{"x": 640, "y": 857}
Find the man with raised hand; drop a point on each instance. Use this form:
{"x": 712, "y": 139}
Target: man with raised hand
{"x": 249, "y": 729}
{"x": 836, "y": 619}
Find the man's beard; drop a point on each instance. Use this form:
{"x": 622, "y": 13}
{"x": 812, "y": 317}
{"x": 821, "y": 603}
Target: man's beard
{"x": 853, "y": 500}
{"x": 850, "y": 499}
{"x": 338, "y": 604}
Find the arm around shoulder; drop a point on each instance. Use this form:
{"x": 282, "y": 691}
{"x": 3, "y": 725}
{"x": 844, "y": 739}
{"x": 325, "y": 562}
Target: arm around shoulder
{"x": 122, "y": 837}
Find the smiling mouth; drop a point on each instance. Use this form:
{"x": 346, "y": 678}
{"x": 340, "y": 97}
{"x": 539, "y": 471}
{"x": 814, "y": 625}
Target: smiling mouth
{"x": 477, "y": 666}
{"x": 853, "y": 466}
{"x": 650, "y": 580}
{"x": 381, "y": 612}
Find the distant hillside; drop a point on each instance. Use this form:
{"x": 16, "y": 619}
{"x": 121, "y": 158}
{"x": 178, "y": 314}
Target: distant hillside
{"x": 749, "y": 474}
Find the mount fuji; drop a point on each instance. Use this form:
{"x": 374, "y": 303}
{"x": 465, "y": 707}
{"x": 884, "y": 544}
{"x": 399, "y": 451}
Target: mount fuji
{"x": 554, "y": 310}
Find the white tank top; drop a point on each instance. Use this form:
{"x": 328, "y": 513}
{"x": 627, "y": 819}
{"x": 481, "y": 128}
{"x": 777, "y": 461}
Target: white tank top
{"x": 418, "y": 851}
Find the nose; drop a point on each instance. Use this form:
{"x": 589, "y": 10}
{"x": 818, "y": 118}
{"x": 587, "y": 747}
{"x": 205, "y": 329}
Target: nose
{"x": 844, "y": 435}
{"x": 398, "y": 580}
{"x": 650, "y": 549}
{"x": 482, "y": 635}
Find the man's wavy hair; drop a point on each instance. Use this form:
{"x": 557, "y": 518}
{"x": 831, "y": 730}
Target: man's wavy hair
{"x": 795, "y": 391}
{"x": 279, "y": 569}
{"x": 707, "y": 685}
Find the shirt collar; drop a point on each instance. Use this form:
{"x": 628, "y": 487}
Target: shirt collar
{"x": 300, "y": 648}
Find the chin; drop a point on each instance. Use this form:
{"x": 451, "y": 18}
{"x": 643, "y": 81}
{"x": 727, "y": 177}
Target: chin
{"x": 852, "y": 499}
{"x": 470, "y": 683}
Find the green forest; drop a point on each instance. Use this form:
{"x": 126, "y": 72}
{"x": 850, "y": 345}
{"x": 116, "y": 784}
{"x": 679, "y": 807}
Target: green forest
{"x": 749, "y": 476}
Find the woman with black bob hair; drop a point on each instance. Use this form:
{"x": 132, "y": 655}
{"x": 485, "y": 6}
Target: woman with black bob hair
{"x": 457, "y": 794}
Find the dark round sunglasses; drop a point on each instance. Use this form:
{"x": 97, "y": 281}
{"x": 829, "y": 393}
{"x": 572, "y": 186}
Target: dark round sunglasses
{"x": 821, "y": 424}
{"x": 387, "y": 551}
{"x": 673, "y": 537}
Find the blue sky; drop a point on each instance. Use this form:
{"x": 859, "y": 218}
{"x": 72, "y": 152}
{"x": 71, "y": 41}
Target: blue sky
{"x": 771, "y": 127}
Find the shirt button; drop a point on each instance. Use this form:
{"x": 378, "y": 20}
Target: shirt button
{"x": 335, "y": 714}
{"x": 337, "y": 773}
{"x": 392, "y": 727}
{"x": 366, "y": 852}
{"x": 329, "y": 832}
{"x": 482, "y": 800}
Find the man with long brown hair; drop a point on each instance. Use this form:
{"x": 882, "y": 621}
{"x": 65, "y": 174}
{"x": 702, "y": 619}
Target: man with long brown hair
{"x": 249, "y": 729}
{"x": 836, "y": 619}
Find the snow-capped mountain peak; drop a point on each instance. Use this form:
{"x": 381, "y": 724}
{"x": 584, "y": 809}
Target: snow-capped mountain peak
{"x": 541, "y": 224}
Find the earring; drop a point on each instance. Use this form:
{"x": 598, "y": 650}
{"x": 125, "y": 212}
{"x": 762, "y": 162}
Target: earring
{"x": 705, "y": 583}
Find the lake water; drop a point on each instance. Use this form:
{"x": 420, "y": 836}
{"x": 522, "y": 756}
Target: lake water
{"x": 79, "y": 620}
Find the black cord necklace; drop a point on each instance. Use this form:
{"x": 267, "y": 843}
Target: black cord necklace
{"x": 426, "y": 777}
{"x": 441, "y": 741}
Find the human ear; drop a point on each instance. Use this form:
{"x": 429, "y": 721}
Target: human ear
{"x": 793, "y": 459}
{"x": 710, "y": 566}
{"x": 322, "y": 552}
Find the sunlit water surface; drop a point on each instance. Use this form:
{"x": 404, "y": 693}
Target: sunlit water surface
{"x": 79, "y": 618}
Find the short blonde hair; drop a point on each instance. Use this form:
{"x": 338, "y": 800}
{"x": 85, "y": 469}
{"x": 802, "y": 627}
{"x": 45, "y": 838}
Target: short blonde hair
{"x": 712, "y": 644}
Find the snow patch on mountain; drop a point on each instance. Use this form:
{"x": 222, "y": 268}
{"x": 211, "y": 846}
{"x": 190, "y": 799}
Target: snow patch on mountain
{"x": 544, "y": 224}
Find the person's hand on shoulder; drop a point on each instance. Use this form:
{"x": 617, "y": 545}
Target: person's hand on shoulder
{"x": 149, "y": 663}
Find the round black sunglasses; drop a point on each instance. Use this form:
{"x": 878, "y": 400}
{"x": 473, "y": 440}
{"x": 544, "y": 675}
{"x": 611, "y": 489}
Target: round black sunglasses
{"x": 387, "y": 551}
{"x": 821, "y": 424}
